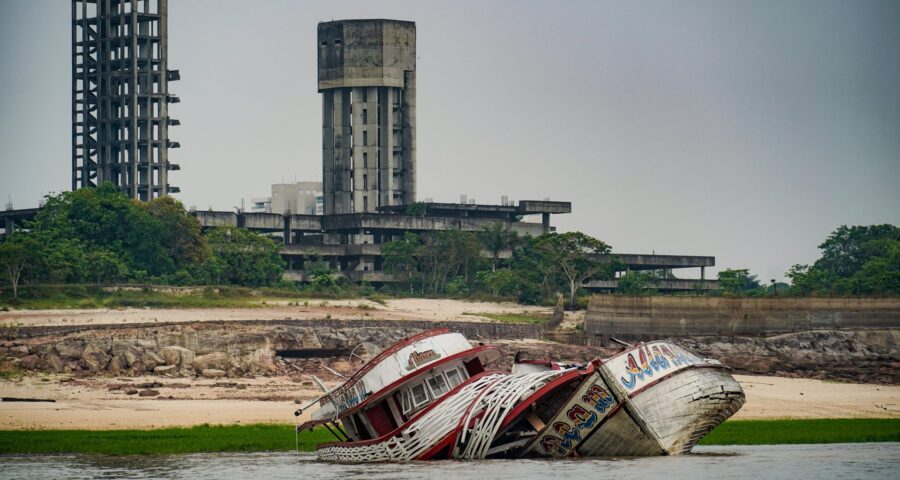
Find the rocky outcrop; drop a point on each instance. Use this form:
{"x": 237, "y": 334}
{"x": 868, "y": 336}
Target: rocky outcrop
{"x": 855, "y": 355}
{"x": 236, "y": 349}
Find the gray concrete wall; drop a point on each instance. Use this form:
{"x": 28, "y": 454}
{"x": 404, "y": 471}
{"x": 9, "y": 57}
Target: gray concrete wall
{"x": 654, "y": 317}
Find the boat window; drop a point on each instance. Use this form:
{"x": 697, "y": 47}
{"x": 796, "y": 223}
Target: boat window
{"x": 454, "y": 377}
{"x": 419, "y": 395}
{"x": 438, "y": 385}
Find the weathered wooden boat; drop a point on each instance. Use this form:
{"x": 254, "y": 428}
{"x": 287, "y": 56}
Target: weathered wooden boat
{"x": 432, "y": 396}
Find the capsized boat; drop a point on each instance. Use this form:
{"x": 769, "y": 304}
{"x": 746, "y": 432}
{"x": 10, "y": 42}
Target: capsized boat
{"x": 433, "y": 396}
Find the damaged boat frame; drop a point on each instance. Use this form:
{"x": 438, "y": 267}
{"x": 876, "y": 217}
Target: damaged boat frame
{"x": 431, "y": 396}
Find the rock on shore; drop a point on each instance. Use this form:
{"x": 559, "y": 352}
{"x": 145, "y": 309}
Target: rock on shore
{"x": 232, "y": 349}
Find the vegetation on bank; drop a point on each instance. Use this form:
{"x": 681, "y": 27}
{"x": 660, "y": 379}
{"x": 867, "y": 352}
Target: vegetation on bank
{"x": 857, "y": 260}
{"x": 99, "y": 237}
{"x": 775, "y": 432}
{"x": 265, "y": 437}
{"x": 203, "y": 438}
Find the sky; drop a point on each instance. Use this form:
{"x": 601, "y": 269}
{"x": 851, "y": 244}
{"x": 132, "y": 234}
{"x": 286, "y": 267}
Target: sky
{"x": 744, "y": 130}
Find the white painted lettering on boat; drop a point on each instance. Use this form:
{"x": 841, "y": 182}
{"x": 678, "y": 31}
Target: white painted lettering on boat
{"x": 585, "y": 410}
{"x": 420, "y": 358}
{"x": 649, "y": 362}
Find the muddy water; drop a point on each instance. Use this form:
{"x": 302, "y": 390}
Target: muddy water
{"x": 874, "y": 460}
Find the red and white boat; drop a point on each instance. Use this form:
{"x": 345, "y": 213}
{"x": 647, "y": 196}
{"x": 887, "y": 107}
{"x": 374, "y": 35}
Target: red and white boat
{"x": 433, "y": 396}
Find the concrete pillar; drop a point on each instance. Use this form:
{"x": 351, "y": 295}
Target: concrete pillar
{"x": 287, "y": 231}
{"x": 545, "y": 221}
{"x": 702, "y": 273}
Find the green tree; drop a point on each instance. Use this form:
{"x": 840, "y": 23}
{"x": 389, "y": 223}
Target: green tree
{"x": 245, "y": 257}
{"x": 857, "y": 260}
{"x": 637, "y": 283}
{"x": 400, "y": 259}
{"x": 444, "y": 255}
{"x": 104, "y": 266}
{"x": 576, "y": 257}
{"x": 499, "y": 282}
{"x": 13, "y": 260}
{"x": 737, "y": 281}
{"x": 417, "y": 209}
{"x": 157, "y": 237}
{"x": 495, "y": 238}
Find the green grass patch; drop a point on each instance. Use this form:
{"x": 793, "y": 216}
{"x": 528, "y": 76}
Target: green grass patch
{"x": 267, "y": 437}
{"x": 775, "y": 432}
{"x": 204, "y": 438}
{"x": 513, "y": 317}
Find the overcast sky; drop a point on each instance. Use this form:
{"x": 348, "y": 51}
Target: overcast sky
{"x": 744, "y": 130}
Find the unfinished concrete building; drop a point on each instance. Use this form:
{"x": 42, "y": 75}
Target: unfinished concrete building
{"x": 367, "y": 78}
{"x": 120, "y": 96}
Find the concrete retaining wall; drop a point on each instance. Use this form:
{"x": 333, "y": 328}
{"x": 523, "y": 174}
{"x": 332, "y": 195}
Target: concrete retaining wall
{"x": 656, "y": 317}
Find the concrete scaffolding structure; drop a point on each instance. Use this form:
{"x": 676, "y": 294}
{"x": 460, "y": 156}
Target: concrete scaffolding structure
{"x": 120, "y": 96}
{"x": 367, "y": 77}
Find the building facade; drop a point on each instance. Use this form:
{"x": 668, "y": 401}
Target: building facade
{"x": 120, "y": 96}
{"x": 367, "y": 78}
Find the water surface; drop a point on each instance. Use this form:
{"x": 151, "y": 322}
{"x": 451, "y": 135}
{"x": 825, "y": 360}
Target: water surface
{"x": 859, "y": 460}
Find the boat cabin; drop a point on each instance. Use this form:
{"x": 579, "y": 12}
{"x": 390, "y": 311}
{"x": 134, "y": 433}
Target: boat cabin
{"x": 402, "y": 381}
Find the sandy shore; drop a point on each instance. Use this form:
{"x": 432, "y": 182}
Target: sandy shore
{"x": 104, "y": 403}
{"x": 400, "y": 309}
{"x": 777, "y": 397}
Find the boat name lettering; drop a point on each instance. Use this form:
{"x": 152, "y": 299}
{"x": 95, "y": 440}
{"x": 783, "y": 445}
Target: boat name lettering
{"x": 418, "y": 358}
{"x": 653, "y": 359}
{"x": 583, "y": 417}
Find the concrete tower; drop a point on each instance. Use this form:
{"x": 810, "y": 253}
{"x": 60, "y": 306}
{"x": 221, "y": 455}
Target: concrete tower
{"x": 120, "y": 96}
{"x": 367, "y": 77}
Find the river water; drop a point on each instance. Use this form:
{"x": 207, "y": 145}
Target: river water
{"x": 860, "y": 460}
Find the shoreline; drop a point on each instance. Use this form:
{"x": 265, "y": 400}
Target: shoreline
{"x": 274, "y": 437}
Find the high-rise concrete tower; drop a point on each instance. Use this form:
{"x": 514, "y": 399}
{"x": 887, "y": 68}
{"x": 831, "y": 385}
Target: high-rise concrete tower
{"x": 120, "y": 96}
{"x": 367, "y": 77}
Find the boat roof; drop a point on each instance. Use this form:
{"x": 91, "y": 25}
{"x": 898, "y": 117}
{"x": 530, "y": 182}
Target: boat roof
{"x": 387, "y": 371}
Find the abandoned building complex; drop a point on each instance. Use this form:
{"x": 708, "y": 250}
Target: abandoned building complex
{"x": 367, "y": 79}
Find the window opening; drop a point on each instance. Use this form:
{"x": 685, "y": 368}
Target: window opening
{"x": 438, "y": 385}
{"x": 419, "y": 395}
{"x": 454, "y": 377}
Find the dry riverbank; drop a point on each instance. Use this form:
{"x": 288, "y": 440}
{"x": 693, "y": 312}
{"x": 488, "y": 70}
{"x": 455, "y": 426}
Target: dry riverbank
{"x": 396, "y": 309}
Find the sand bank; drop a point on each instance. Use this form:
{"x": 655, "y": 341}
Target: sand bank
{"x": 399, "y": 309}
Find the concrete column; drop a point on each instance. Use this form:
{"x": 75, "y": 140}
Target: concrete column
{"x": 545, "y": 221}
{"x": 702, "y": 273}
{"x": 408, "y": 138}
{"x": 287, "y": 231}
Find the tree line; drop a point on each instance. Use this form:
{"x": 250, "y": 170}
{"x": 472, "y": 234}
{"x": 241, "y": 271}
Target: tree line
{"x": 99, "y": 235}
{"x": 856, "y": 260}
{"x": 497, "y": 262}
